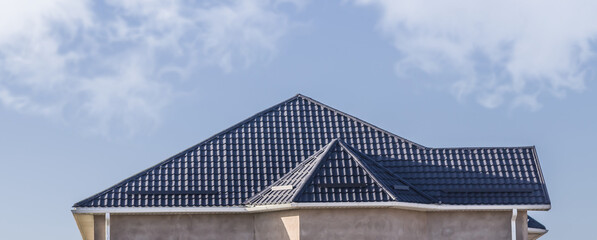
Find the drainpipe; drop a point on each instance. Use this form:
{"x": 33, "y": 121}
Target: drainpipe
{"x": 513, "y": 223}
{"x": 108, "y": 226}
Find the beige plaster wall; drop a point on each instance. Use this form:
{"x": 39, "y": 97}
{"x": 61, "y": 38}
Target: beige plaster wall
{"x": 522, "y": 226}
{"x": 310, "y": 224}
{"x": 99, "y": 224}
{"x": 182, "y": 226}
{"x": 362, "y": 224}
{"x": 283, "y": 225}
{"x": 469, "y": 225}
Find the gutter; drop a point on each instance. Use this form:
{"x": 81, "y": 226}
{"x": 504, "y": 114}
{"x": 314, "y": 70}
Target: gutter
{"x": 279, "y": 207}
{"x": 156, "y": 210}
{"x": 423, "y": 207}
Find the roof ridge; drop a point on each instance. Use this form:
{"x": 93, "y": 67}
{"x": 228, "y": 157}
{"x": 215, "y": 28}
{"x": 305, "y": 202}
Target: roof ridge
{"x": 371, "y": 174}
{"x": 309, "y": 159}
{"x": 359, "y": 120}
{"x": 354, "y": 152}
{"x": 301, "y": 186}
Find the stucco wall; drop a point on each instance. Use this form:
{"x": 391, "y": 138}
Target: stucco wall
{"x": 362, "y": 224}
{"x": 522, "y": 226}
{"x": 283, "y": 225}
{"x": 182, "y": 226}
{"x": 469, "y": 225}
{"x": 99, "y": 223}
{"x": 311, "y": 224}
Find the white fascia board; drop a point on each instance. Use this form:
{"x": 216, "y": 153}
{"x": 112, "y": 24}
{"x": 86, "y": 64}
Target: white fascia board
{"x": 150, "y": 210}
{"x": 278, "y": 207}
{"x": 422, "y": 207}
{"x": 270, "y": 208}
{"x": 537, "y": 230}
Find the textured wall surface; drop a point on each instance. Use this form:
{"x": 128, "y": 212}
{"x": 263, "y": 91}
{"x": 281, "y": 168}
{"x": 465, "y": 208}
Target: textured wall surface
{"x": 469, "y": 225}
{"x": 284, "y": 225}
{"x": 187, "y": 226}
{"x": 99, "y": 222}
{"x": 311, "y": 224}
{"x": 362, "y": 224}
{"x": 522, "y": 227}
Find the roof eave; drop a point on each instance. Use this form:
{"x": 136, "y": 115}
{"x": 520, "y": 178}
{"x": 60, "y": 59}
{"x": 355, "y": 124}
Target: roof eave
{"x": 288, "y": 206}
{"x": 537, "y": 231}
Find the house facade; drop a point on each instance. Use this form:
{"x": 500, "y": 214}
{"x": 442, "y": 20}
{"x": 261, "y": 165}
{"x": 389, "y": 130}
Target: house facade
{"x": 304, "y": 170}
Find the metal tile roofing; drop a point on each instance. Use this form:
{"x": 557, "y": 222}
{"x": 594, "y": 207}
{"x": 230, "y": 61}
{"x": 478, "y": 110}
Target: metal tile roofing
{"x": 338, "y": 173}
{"x": 241, "y": 161}
{"x": 532, "y": 223}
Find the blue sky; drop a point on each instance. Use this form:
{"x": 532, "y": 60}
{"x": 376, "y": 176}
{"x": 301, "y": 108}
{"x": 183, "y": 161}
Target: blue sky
{"x": 92, "y": 92}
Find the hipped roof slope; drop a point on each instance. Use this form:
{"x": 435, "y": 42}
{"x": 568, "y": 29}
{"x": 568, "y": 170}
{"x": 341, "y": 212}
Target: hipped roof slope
{"x": 236, "y": 164}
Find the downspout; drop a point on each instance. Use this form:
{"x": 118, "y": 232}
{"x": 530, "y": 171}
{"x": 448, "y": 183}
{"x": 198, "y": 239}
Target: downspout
{"x": 513, "y": 223}
{"x": 107, "y": 226}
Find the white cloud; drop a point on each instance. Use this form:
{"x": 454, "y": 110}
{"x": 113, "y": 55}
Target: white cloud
{"x": 102, "y": 63}
{"x": 499, "y": 52}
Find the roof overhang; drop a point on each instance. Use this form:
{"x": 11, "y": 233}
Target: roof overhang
{"x": 280, "y": 207}
{"x": 535, "y": 233}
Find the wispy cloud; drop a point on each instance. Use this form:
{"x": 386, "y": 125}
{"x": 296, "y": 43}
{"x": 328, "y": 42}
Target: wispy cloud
{"x": 103, "y": 63}
{"x": 498, "y": 52}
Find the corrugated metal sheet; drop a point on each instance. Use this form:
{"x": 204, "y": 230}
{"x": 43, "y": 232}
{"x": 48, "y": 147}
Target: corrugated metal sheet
{"x": 230, "y": 167}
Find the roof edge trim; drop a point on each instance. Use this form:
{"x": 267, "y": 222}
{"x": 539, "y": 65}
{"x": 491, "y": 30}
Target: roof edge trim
{"x": 540, "y": 172}
{"x": 537, "y": 230}
{"x": 279, "y": 207}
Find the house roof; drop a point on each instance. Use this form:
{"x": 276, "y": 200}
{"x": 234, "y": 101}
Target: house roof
{"x": 338, "y": 173}
{"x": 240, "y": 162}
{"x": 532, "y": 223}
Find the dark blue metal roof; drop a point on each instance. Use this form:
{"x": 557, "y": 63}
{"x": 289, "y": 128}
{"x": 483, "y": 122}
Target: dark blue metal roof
{"x": 532, "y": 223}
{"x": 241, "y": 161}
{"x": 338, "y": 173}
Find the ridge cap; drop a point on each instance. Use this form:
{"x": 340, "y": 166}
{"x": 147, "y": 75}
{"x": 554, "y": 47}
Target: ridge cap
{"x": 360, "y": 120}
{"x": 301, "y": 186}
